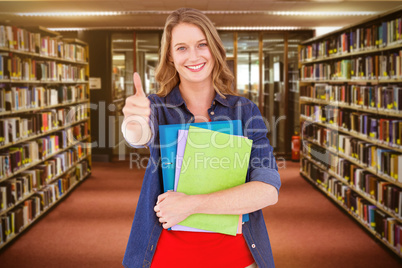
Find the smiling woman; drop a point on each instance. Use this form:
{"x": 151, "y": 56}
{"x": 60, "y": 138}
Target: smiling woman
{"x": 195, "y": 86}
{"x": 191, "y": 56}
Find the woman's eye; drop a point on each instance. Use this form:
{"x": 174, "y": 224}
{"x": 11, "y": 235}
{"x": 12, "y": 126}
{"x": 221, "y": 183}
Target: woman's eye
{"x": 203, "y": 45}
{"x": 181, "y": 48}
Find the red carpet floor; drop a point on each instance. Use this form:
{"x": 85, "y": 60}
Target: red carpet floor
{"x": 91, "y": 226}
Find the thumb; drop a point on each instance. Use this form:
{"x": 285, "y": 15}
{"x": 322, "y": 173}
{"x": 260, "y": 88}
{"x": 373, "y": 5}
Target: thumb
{"x": 138, "y": 85}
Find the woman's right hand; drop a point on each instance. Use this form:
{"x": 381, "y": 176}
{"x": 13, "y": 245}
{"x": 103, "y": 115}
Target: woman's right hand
{"x": 137, "y": 111}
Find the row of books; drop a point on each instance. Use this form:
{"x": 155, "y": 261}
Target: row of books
{"x": 386, "y": 130}
{"x": 13, "y": 129}
{"x": 376, "y": 159}
{"x": 370, "y": 67}
{"x": 384, "y": 194}
{"x": 15, "y": 67}
{"x": 388, "y": 98}
{"x": 22, "y": 40}
{"x": 386, "y": 227}
{"x": 14, "y": 221}
{"x": 379, "y": 35}
{"x": 336, "y": 146}
{"x": 17, "y": 188}
{"x": 28, "y": 97}
{"x": 22, "y": 155}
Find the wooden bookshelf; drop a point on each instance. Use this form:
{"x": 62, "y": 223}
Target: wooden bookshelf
{"x": 45, "y": 144}
{"x": 351, "y": 121}
{"x": 355, "y": 216}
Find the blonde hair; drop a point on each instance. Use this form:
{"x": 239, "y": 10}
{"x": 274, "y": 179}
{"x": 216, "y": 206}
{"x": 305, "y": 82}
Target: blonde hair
{"x": 166, "y": 74}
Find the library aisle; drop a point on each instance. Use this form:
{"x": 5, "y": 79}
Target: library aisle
{"x": 91, "y": 226}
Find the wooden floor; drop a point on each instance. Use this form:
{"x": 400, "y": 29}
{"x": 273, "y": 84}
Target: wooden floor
{"x": 91, "y": 226}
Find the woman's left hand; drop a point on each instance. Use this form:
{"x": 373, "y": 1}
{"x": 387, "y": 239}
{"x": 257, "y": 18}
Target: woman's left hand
{"x": 173, "y": 207}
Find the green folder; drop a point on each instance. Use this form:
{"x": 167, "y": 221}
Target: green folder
{"x": 213, "y": 161}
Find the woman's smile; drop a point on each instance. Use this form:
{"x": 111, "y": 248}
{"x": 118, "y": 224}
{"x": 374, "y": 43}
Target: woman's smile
{"x": 196, "y": 68}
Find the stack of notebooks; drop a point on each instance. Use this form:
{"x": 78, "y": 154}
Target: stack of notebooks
{"x": 202, "y": 158}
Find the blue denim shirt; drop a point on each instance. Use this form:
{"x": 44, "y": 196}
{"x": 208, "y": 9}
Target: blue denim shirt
{"x": 172, "y": 109}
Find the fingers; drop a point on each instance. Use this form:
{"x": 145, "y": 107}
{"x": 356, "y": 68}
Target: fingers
{"x": 135, "y": 112}
{"x": 162, "y": 197}
{"x": 138, "y": 85}
{"x": 137, "y": 104}
{"x": 138, "y": 101}
{"x": 161, "y": 219}
{"x": 165, "y": 224}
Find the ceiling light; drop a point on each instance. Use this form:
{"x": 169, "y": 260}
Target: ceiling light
{"x": 122, "y": 49}
{"x": 66, "y": 29}
{"x": 261, "y": 28}
{"x": 223, "y": 28}
{"x": 324, "y": 30}
{"x": 119, "y": 57}
{"x": 322, "y": 13}
{"x": 208, "y": 12}
{"x": 106, "y": 28}
{"x": 122, "y": 41}
{"x": 71, "y": 14}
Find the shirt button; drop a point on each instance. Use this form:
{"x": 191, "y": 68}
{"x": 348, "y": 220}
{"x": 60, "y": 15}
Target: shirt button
{"x": 212, "y": 113}
{"x": 253, "y": 245}
{"x": 192, "y": 118}
{"x": 213, "y": 103}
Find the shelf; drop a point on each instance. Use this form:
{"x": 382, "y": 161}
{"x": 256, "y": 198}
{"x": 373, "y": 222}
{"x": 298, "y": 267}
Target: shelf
{"x": 352, "y": 81}
{"x": 74, "y": 59}
{"x": 10, "y": 239}
{"x": 13, "y": 81}
{"x": 356, "y": 135}
{"x": 3, "y": 212}
{"x": 339, "y": 41}
{"x": 364, "y": 195}
{"x": 32, "y": 164}
{"x": 41, "y": 108}
{"x": 43, "y": 134}
{"x": 355, "y": 161}
{"x": 371, "y": 110}
{"x": 396, "y": 45}
{"x": 352, "y": 214}
{"x": 40, "y": 56}
{"x": 74, "y": 41}
{"x": 42, "y": 30}
{"x": 369, "y": 20}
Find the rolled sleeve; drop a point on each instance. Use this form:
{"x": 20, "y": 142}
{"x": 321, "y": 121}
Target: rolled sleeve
{"x": 263, "y": 165}
{"x": 267, "y": 175}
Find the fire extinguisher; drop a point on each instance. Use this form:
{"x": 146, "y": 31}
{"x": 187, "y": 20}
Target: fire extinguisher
{"x": 295, "y": 147}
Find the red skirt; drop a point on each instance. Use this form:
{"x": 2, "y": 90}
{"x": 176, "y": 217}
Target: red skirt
{"x": 199, "y": 250}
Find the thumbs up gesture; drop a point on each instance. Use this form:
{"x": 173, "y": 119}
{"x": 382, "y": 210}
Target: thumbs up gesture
{"x": 137, "y": 111}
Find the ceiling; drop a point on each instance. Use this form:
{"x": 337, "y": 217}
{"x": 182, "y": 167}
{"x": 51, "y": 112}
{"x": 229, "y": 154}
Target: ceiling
{"x": 139, "y": 14}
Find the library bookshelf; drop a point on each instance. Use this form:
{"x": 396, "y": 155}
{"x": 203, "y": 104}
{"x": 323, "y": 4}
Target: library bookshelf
{"x": 45, "y": 148}
{"x": 351, "y": 122}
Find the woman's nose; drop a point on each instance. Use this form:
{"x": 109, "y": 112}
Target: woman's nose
{"x": 193, "y": 54}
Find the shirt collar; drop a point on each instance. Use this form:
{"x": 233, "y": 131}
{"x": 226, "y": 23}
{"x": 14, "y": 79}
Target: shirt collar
{"x": 174, "y": 98}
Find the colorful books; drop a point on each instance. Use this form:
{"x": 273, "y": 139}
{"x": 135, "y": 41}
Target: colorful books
{"x": 213, "y": 161}
{"x": 181, "y": 146}
{"x": 168, "y": 137}
{"x": 172, "y": 145}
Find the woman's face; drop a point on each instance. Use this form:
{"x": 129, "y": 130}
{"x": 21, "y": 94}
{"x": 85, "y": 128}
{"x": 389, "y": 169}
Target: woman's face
{"x": 190, "y": 54}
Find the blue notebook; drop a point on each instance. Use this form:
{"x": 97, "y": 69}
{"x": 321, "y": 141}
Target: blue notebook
{"x": 168, "y": 135}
